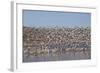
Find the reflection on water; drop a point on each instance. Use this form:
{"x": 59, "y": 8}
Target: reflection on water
{"x": 66, "y": 56}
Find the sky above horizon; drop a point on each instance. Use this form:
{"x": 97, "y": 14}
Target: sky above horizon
{"x": 37, "y": 18}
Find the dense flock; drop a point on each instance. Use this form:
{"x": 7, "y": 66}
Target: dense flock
{"x": 55, "y": 41}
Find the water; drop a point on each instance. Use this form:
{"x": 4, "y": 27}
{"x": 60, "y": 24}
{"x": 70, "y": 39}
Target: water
{"x": 66, "y": 56}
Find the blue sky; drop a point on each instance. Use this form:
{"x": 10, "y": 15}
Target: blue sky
{"x": 36, "y": 18}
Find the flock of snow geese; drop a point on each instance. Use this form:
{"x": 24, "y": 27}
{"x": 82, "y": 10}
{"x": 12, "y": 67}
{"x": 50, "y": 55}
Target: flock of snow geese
{"x": 55, "y": 41}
